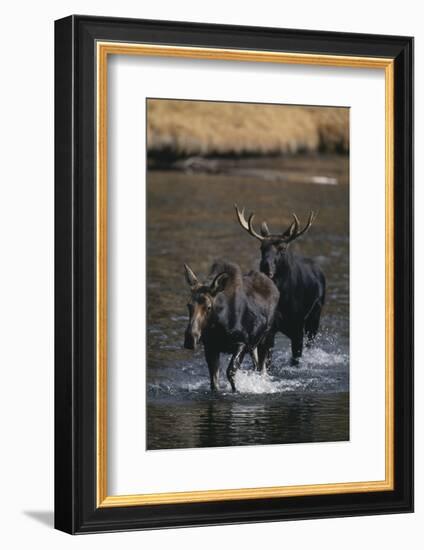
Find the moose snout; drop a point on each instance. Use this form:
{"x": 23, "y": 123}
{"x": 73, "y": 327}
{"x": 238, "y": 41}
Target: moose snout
{"x": 190, "y": 340}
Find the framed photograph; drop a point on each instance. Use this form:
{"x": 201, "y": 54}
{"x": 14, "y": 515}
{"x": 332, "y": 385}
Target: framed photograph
{"x": 233, "y": 265}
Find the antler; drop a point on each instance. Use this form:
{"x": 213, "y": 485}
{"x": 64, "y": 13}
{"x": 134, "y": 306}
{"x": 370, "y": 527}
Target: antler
{"x": 291, "y": 230}
{"x": 247, "y": 225}
{"x": 294, "y": 232}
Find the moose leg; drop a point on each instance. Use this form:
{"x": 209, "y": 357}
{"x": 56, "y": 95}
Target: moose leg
{"x": 312, "y": 324}
{"x": 255, "y": 358}
{"x": 212, "y": 359}
{"x": 296, "y": 347}
{"x": 265, "y": 353}
{"x": 235, "y": 362}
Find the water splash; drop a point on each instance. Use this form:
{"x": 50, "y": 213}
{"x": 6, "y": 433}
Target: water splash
{"x": 313, "y": 357}
{"x": 319, "y": 371}
{"x": 251, "y": 382}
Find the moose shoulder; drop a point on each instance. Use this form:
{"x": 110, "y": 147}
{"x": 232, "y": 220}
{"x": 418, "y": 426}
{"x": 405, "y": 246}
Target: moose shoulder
{"x": 233, "y": 313}
{"x": 300, "y": 280}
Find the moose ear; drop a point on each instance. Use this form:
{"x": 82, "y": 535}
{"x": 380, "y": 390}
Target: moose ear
{"x": 218, "y": 284}
{"x": 190, "y": 277}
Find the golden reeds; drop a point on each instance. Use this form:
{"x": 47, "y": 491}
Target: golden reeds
{"x": 186, "y": 128}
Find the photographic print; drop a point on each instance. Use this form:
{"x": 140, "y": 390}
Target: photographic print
{"x": 218, "y": 296}
{"x": 248, "y": 274}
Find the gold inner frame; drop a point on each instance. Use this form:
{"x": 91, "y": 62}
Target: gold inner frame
{"x": 103, "y": 50}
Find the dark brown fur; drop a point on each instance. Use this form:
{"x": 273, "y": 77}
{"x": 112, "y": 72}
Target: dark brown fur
{"x": 231, "y": 313}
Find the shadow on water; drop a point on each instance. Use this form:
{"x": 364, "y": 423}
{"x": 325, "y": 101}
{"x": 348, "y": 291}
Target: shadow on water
{"x": 191, "y": 219}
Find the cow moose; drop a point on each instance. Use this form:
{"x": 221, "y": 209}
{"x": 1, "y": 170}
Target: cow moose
{"x": 300, "y": 281}
{"x": 233, "y": 314}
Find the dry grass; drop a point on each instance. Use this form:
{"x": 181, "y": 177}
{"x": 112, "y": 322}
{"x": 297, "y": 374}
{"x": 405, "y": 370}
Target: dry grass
{"x": 187, "y": 128}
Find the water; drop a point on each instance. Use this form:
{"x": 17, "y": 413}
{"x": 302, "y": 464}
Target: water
{"x": 191, "y": 220}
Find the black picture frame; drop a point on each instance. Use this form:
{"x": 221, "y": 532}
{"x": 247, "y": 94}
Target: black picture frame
{"x": 76, "y": 508}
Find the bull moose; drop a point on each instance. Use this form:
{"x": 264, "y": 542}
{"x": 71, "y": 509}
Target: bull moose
{"x": 233, "y": 314}
{"x": 300, "y": 281}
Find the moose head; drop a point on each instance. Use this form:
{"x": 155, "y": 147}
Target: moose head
{"x": 273, "y": 245}
{"x": 200, "y": 306}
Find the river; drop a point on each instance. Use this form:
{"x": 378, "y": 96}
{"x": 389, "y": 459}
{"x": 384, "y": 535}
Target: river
{"x": 191, "y": 220}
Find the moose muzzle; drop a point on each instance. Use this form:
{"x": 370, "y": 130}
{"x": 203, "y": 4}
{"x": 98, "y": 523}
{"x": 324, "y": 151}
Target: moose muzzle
{"x": 191, "y": 339}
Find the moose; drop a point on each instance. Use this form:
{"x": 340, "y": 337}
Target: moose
{"x": 300, "y": 281}
{"x": 232, "y": 314}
